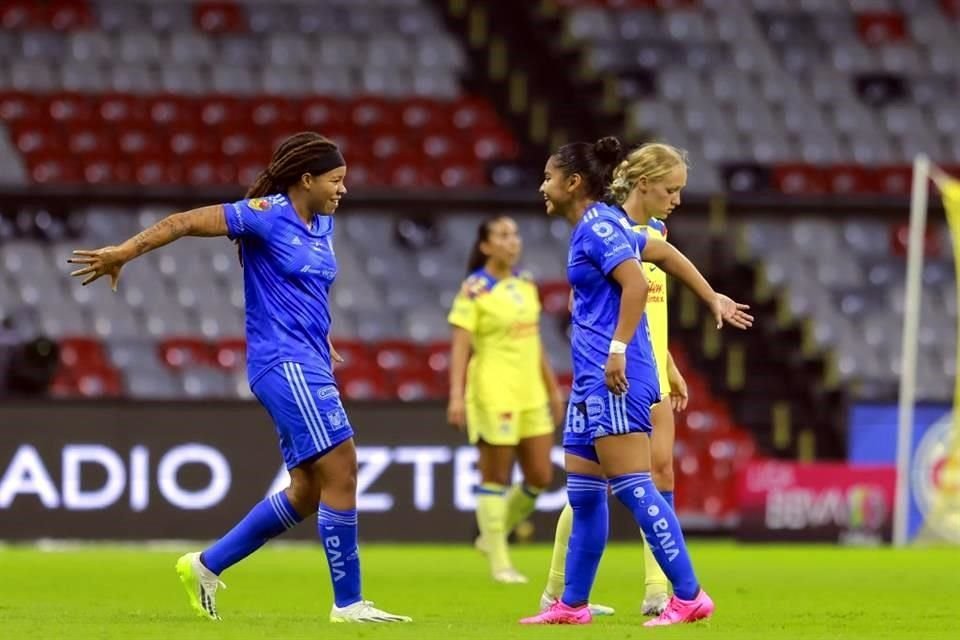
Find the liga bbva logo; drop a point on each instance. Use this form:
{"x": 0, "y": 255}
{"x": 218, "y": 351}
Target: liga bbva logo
{"x": 934, "y": 486}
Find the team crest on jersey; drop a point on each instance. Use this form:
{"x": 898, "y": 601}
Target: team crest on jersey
{"x": 259, "y": 204}
{"x": 475, "y": 286}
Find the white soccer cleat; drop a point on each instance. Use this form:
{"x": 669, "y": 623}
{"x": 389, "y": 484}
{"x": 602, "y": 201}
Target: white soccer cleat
{"x": 654, "y": 604}
{"x": 201, "y": 585}
{"x": 509, "y": 576}
{"x": 596, "y": 610}
{"x": 364, "y": 611}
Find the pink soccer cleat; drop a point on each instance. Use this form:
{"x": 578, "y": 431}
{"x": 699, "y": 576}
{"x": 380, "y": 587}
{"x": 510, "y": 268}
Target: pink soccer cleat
{"x": 559, "y": 613}
{"x": 679, "y": 611}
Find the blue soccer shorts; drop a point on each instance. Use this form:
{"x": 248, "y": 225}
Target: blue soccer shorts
{"x": 601, "y": 413}
{"x": 306, "y": 410}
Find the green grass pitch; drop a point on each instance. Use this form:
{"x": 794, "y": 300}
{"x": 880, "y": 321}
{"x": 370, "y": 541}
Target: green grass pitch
{"x": 767, "y": 592}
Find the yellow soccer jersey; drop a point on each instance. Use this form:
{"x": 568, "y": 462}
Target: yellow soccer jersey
{"x": 657, "y": 303}
{"x": 503, "y": 318}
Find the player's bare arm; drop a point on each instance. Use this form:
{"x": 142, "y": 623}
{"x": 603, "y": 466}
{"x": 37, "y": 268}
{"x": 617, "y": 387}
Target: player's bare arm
{"x": 667, "y": 257}
{"x": 203, "y": 221}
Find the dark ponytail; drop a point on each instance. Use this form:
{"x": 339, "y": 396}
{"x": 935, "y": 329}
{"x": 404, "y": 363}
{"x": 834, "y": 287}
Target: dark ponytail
{"x": 593, "y": 162}
{"x": 477, "y": 257}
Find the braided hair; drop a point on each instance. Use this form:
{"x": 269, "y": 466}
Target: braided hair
{"x": 293, "y": 158}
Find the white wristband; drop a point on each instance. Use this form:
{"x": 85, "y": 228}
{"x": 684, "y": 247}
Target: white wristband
{"x": 618, "y": 347}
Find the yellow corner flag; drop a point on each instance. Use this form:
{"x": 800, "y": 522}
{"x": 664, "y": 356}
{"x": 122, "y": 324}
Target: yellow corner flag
{"x": 943, "y": 516}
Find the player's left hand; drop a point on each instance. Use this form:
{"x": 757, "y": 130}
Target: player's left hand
{"x": 679, "y": 395}
{"x": 336, "y": 357}
{"x": 99, "y": 262}
{"x": 558, "y": 408}
{"x": 733, "y": 313}
{"x": 615, "y": 373}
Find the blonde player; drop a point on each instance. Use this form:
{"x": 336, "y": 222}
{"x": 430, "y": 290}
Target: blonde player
{"x": 502, "y": 388}
{"x": 660, "y": 172}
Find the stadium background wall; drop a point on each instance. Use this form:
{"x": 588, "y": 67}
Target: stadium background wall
{"x": 141, "y": 471}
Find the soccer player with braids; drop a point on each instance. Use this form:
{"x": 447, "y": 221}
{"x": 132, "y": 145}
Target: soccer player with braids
{"x": 615, "y": 382}
{"x": 284, "y": 231}
{"x": 658, "y": 172}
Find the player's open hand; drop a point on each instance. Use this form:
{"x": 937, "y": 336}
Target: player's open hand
{"x": 457, "y": 414}
{"x": 733, "y": 313}
{"x": 615, "y": 373}
{"x": 679, "y": 395}
{"x": 99, "y": 262}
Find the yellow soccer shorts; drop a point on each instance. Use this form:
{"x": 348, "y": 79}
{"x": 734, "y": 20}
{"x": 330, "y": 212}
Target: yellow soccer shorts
{"x": 507, "y": 428}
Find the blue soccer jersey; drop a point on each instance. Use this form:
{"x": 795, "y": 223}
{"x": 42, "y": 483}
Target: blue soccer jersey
{"x": 601, "y": 241}
{"x": 288, "y": 270}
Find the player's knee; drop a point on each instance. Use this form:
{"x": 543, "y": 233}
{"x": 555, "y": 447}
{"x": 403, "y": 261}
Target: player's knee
{"x": 539, "y": 478}
{"x": 304, "y": 494}
{"x": 662, "y": 474}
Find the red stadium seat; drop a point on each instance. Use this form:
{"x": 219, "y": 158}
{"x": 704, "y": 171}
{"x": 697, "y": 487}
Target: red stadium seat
{"x": 495, "y": 145}
{"x": 895, "y": 180}
{"x": 474, "y": 114}
{"x": 391, "y": 355}
{"x": 16, "y": 107}
{"x": 388, "y": 145}
{"x": 421, "y": 115}
{"x": 31, "y": 138}
{"x": 172, "y": 110}
{"x": 66, "y": 15}
{"x": 99, "y": 383}
{"x": 230, "y": 354}
{"x": 105, "y": 168}
{"x": 123, "y": 109}
{"x": 363, "y": 384}
{"x": 20, "y": 14}
{"x": 89, "y": 139}
{"x": 800, "y": 179}
{"x": 71, "y": 109}
{"x": 150, "y": 170}
{"x": 53, "y": 167}
{"x": 851, "y": 179}
{"x": 460, "y": 175}
{"x": 320, "y": 114}
{"x": 356, "y": 355}
{"x": 241, "y": 144}
{"x": 222, "y": 111}
{"x": 881, "y": 27}
{"x": 219, "y": 17}
{"x": 208, "y": 168}
{"x": 137, "y": 141}
{"x": 409, "y": 171}
{"x": 374, "y": 113}
{"x": 82, "y": 352}
{"x": 63, "y": 385}
{"x": 417, "y": 385}
{"x": 177, "y": 353}
{"x": 272, "y": 111}
{"x": 437, "y": 355}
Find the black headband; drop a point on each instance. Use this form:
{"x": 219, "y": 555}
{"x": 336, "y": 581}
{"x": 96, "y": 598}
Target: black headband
{"x": 326, "y": 161}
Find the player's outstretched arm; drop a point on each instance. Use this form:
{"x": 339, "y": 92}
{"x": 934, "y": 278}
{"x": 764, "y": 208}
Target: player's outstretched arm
{"x": 668, "y": 258}
{"x": 204, "y": 221}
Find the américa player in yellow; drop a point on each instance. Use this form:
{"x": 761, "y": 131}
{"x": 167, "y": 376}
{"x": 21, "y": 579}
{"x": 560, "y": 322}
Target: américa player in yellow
{"x": 660, "y": 171}
{"x": 502, "y": 388}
